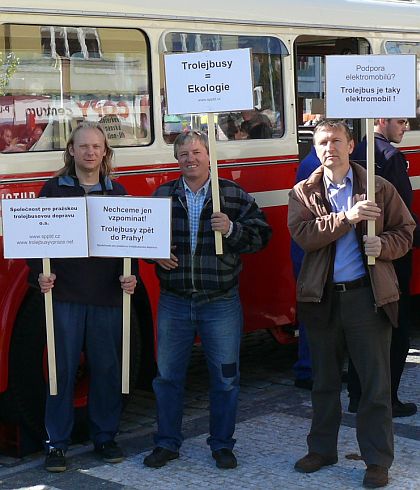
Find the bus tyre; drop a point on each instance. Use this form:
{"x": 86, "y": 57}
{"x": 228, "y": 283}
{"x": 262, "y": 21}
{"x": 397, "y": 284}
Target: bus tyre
{"x": 28, "y": 372}
{"x": 283, "y": 334}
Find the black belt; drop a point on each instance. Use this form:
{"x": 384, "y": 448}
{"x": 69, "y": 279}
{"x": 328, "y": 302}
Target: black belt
{"x": 342, "y": 287}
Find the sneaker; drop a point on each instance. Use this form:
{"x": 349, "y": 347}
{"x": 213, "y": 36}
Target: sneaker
{"x": 225, "y": 459}
{"x": 304, "y": 383}
{"x": 159, "y": 457}
{"x": 110, "y": 452}
{"x": 313, "y": 462}
{"x": 376, "y": 476}
{"x": 55, "y": 461}
{"x": 400, "y": 409}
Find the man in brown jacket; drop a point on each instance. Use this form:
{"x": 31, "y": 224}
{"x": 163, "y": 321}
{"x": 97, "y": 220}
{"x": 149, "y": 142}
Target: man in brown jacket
{"x": 343, "y": 302}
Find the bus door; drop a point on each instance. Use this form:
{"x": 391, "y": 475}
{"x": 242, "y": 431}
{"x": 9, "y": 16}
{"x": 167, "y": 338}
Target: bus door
{"x": 310, "y": 52}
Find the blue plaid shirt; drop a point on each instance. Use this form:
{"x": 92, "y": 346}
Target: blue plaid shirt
{"x": 195, "y": 202}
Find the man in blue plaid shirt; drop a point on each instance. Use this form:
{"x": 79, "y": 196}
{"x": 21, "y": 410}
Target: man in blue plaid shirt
{"x": 199, "y": 295}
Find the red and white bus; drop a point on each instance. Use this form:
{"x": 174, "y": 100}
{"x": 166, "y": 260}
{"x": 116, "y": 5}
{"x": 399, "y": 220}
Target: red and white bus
{"x": 103, "y": 61}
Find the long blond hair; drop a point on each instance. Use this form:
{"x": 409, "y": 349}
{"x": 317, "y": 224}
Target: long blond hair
{"x": 69, "y": 165}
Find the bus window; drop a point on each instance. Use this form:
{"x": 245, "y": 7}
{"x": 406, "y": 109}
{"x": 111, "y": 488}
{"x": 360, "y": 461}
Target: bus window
{"x": 54, "y": 77}
{"x": 266, "y": 120}
{"x": 405, "y": 47}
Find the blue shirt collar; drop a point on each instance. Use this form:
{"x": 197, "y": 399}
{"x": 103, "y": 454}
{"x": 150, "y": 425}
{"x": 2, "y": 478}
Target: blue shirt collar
{"x": 348, "y": 178}
{"x": 203, "y": 188}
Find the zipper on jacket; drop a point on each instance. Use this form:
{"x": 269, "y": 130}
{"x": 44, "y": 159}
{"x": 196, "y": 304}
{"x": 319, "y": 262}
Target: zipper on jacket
{"x": 372, "y": 285}
{"x": 191, "y": 252}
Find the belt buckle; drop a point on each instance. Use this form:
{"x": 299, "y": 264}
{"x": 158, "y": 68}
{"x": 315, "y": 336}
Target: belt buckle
{"x": 340, "y": 287}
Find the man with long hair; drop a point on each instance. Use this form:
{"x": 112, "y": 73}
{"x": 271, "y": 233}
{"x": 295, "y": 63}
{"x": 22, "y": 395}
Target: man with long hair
{"x": 87, "y": 306}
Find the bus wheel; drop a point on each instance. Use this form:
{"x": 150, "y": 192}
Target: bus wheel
{"x": 28, "y": 373}
{"x": 284, "y": 334}
{"x": 26, "y": 376}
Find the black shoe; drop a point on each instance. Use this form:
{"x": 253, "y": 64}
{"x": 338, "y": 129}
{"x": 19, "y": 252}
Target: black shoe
{"x": 55, "y": 460}
{"x": 375, "y": 476}
{"x": 314, "y": 462}
{"x": 159, "y": 457}
{"x": 225, "y": 458}
{"x": 304, "y": 383}
{"x": 400, "y": 409}
{"x": 110, "y": 452}
{"x": 353, "y": 405}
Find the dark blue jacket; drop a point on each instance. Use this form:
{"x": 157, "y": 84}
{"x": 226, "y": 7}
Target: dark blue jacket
{"x": 390, "y": 164}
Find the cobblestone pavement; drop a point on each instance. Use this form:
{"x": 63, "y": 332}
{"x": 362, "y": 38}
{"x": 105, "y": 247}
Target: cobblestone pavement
{"x": 273, "y": 422}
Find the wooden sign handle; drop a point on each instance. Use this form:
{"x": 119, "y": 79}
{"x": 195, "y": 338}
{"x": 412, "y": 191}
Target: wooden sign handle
{"x": 215, "y": 195}
{"x": 370, "y": 167}
{"x": 49, "y": 322}
{"x": 126, "y": 332}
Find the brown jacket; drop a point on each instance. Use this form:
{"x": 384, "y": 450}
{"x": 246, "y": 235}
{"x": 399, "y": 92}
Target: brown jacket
{"x": 315, "y": 229}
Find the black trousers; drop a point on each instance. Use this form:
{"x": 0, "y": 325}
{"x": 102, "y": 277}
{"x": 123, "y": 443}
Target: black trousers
{"x": 355, "y": 325}
{"x": 400, "y": 343}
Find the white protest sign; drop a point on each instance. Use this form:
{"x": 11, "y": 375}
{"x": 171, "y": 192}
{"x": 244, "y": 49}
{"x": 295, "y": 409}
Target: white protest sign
{"x": 209, "y": 81}
{"x": 370, "y": 86}
{"x": 45, "y": 227}
{"x": 129, "y": 226}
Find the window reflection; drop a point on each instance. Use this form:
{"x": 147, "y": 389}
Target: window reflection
{"x": 266, "y": 120}
{"x": 54, "y": 77}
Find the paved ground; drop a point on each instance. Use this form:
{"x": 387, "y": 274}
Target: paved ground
{"x": 273, "y": 421}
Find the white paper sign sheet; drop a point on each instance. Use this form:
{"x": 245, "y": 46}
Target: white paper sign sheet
{"x": 209, "y": 81}
{"x": 370, "y": 86}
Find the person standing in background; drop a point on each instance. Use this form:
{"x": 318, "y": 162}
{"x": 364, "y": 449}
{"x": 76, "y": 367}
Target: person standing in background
{"x": 303, "y": 367}
{"x": 391, "y": 164}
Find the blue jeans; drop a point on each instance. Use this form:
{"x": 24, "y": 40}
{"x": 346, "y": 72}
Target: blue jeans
{"x": 98, "y": 330}
{"x": 219, "y": 324}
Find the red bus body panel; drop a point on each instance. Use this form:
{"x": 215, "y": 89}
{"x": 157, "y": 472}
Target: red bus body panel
{"x": 266, "y": 284}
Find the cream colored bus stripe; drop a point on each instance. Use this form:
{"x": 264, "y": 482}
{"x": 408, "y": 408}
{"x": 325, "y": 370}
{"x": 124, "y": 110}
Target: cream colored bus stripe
{"x": 271, "y": 198}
